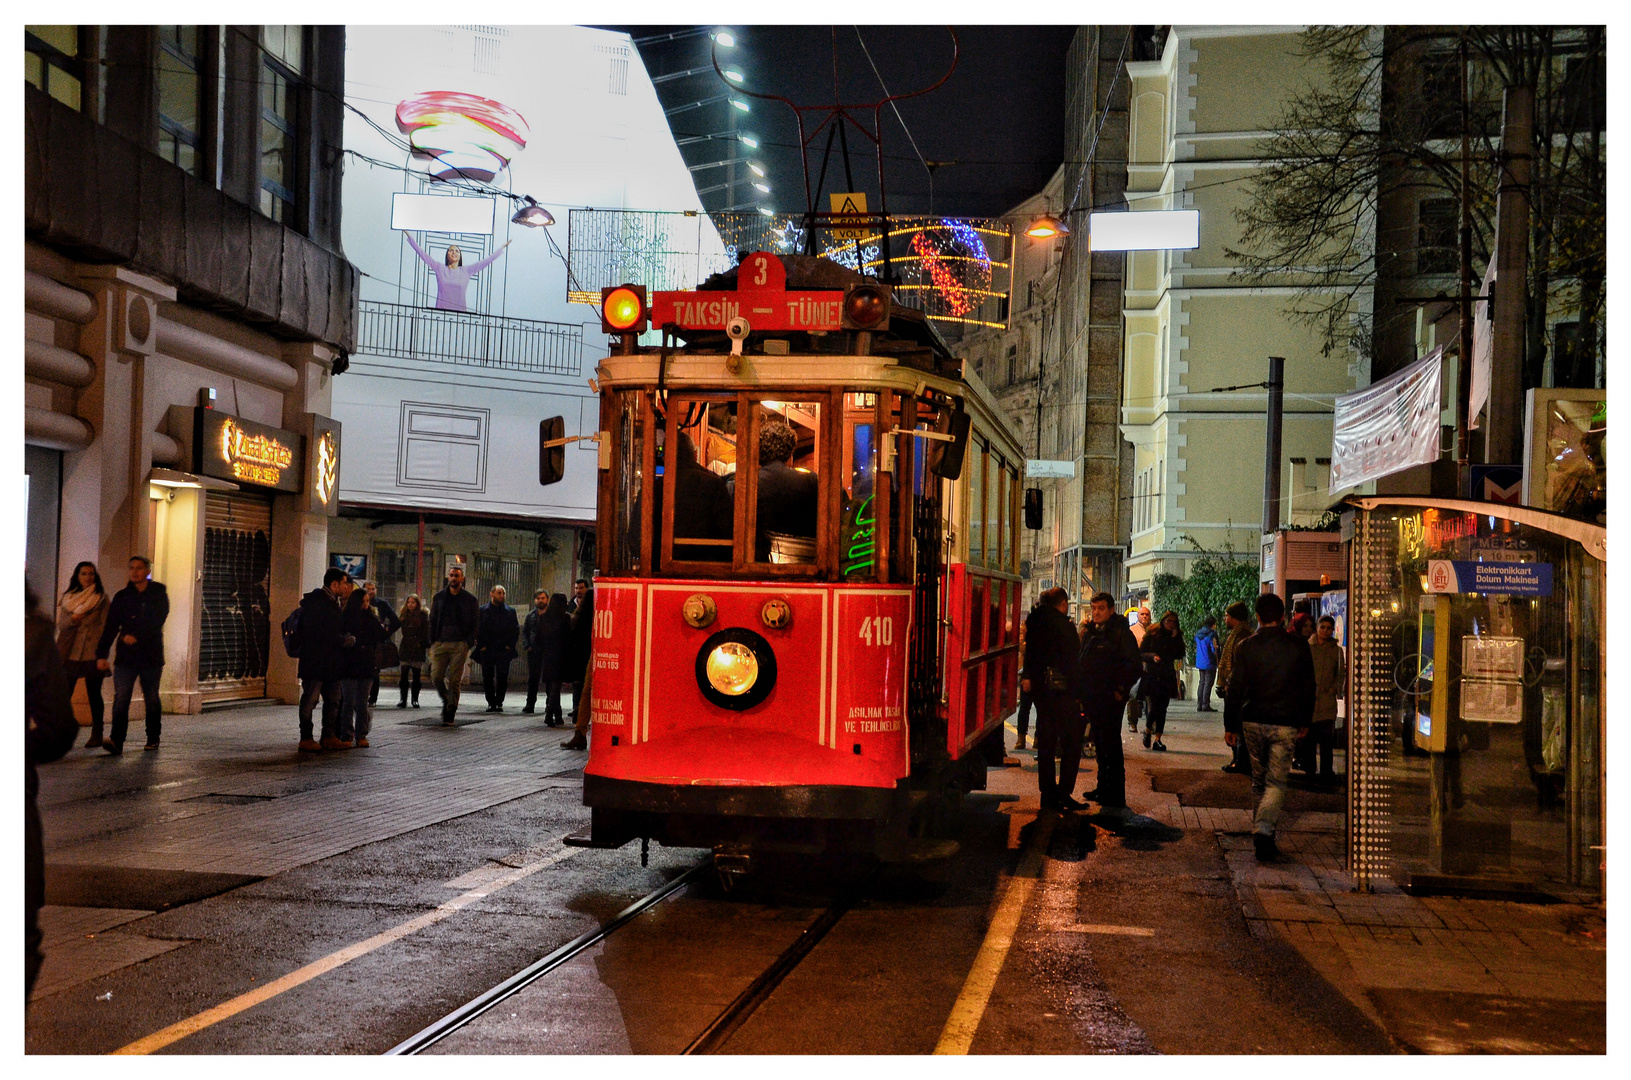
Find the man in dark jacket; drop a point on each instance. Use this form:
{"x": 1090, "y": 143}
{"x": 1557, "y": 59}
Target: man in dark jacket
{"x": 496, "y": 633}
{"x": 703, "y": 507}
{"x": 136, "y": 618}
{"x": 50, "y": 729}
{"x": 1269, "y": 704}
{"x": 580, "y": 669}
{"x": 1049, "y": 677}
{"x": 454, "y": 618}
{"x": 322, "y": 642}
{"x": 387, "y": 653}
{"x": 544, "y": 637}
{"x": 1106, "y": 668}
{"x": 787, "y": 497}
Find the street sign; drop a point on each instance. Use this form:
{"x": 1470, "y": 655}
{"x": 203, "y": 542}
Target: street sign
{"x": 1039, "y": 469}
{"x": 851, "y": 203}
{"x": 761, "y": 297}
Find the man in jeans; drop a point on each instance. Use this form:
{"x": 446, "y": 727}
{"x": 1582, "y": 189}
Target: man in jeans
{"x": 1237, "y": 620}
{"x": 1206, "y": 662}
{"x": 136, "y": 618}
{"x": 454, "y": 618}
{"x": 322, "y": 637}
{"x": 1269, "y": 705}
{"x": 1107, "y": 666}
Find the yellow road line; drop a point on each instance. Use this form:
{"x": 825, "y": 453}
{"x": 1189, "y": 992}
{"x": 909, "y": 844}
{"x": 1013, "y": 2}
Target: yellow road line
{"x": 193, "y": 1024}
{"x": 958, "y": 1034}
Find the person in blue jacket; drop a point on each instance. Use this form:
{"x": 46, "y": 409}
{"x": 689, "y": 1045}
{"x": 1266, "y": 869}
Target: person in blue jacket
{"x": 1206, "y": 662}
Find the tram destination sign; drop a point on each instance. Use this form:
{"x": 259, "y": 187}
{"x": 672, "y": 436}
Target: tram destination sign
{"x": 761, "y": 297}
{"x": 231, "y": 448}
{"x": 1493, "y": 578}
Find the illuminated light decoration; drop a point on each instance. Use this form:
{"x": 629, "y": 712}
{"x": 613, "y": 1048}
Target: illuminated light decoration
{"x": 733, "y": 75}
{"x": 741, "y": 106}
{"x": 578, "y": 296}
{"x": 938, "y": 247}
{"x": 328, "y": 466}
{"x": 726, "y": 39}
{"x": 254, "y": 459}
{"x": 458, "y": 136}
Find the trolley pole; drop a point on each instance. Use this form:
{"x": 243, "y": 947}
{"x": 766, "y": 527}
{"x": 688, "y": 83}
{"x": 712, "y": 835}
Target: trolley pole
{"x": 1271, "y": 449}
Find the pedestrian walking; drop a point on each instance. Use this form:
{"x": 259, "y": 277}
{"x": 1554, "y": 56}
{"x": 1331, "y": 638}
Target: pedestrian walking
{"x": 1269, "y": 705}
{"x": 136, "y": 621}
{"x": 1107, "y": 666}
{"x": 49, "y": 731}
{"x": 1162, "y": 650}
{"x": 1207, "y": 647}
{"x": 1026, "y": 701}
{"x": 580, "y": 668}
{"x": 496, "y": 634}
{"x": 321, "y": 643}
{"x": 359, "y": 666}
{"x": 1049, "y": 677}
{"x": 1135, "y": 699}
{"x": 454, "y": 617}
{"x": 82, "y": 614}
{"x": 411, "y": 651}
{"x": 1237, "y": 620}
{"x": 1330, "y": 684}
{"x": 386, "y": 655}
{"x": 545, "y": 636}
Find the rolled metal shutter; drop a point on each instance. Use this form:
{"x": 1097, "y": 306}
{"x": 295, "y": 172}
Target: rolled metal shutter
{"x": 237, "y": 632}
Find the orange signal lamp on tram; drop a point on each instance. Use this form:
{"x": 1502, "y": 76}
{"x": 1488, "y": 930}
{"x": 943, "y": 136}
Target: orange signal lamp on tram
{"x": 623, "y": 309}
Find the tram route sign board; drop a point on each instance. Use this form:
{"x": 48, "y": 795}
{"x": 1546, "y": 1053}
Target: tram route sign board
{"x": 761, "y": 297}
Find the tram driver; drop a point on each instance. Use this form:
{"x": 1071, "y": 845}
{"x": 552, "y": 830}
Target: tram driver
{"x": 788, "y": 497}
{"x": 702, "y": 507}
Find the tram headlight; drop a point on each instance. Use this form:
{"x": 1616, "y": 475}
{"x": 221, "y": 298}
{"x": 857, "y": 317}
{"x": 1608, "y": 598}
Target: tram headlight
{"x": 732, "y": 668}
{"x": 736, "y": 669}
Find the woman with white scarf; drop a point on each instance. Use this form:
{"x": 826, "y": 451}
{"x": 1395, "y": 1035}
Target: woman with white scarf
{"x": 82, "y": 612}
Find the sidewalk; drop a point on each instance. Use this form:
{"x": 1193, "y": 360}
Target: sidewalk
{"x": 1437, "y": 974}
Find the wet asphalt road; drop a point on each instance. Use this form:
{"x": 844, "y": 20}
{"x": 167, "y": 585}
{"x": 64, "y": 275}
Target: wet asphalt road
{"x": 883, "y": 981}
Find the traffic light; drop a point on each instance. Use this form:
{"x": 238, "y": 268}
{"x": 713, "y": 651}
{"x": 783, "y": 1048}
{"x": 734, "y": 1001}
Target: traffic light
{"x": 866, "y": 307}
{"x": 1033, "y": 508}
{"x": 623, "y": 310}
{"x": 551, "y": 450}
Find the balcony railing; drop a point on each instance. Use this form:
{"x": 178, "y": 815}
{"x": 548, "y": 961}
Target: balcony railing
{"x": 466, "y": 337}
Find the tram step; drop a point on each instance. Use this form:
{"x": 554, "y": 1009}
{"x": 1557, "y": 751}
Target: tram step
{"x": 586, "y": 839}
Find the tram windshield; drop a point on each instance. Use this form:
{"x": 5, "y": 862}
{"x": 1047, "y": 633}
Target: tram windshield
{"x": 752, "y": 485}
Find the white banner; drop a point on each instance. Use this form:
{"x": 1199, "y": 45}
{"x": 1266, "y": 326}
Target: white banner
{"x": 1389, "y": 425}
{"x": 1483, "y": 342}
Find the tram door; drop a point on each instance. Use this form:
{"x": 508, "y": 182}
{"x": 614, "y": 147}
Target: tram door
{"x": 237, "y": 627}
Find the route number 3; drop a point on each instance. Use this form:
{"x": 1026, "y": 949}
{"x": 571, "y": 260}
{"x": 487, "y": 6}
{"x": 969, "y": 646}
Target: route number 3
{"x": 762, "y": 265}
{"x": 878, "y": 630}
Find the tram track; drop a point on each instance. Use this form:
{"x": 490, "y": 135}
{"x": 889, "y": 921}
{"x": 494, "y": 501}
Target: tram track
{"x": 710, "y": 1040}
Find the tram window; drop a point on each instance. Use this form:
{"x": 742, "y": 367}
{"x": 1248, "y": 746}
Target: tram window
{"x": 974, "y": 468}
{"x": 629, "y": 482}
{"x": 995, "y": 531}
{"x": 858, "y": 513}
{"x": 787, "y": 501}
{"x": 1010, "y": 520}
{"x": 702, "y": 525}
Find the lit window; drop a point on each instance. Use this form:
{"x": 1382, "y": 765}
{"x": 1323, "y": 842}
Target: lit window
{"x": 280, "y": 67}
{"x": 178, "y": 87}
{"x": 51, "y": 62}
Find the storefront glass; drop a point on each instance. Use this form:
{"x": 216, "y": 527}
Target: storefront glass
{"x": 1475, "y": 657}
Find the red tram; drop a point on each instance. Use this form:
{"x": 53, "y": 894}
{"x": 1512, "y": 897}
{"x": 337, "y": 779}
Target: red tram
{"x": 757, "y": 690}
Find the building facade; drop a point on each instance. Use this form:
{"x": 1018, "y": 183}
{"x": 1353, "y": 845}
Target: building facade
{"x": 1197, "y": 338}
{"x": 187, "y": 306}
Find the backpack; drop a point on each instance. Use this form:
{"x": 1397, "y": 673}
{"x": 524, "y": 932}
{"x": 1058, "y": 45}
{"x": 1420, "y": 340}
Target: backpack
{"x": 291, "y": 634}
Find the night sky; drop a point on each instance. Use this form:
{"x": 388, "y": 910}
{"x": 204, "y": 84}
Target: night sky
{"x": 1000, "y": 116}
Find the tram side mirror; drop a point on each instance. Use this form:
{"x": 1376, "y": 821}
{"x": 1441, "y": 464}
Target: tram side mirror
{"x": 551, "y": 458}
{"x": 945, "y": 459}
{"x": 1033, "y": 508}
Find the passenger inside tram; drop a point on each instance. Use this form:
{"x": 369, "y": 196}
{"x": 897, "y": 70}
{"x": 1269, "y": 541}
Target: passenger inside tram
{"x": 702, "y": 508}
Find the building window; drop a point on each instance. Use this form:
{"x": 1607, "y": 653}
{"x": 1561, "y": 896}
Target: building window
{"x": 51, "y": 62}
{"x": 1013, "y": 364}
{"x": 280, "y": 81}
{"x": 178, "y": 86}
{"x": 1437, "y": 226}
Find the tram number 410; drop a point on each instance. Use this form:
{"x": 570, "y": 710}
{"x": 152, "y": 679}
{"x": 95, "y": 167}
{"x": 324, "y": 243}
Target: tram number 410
{"x": 878, "y": 630}
{"x": 603, "y": 625}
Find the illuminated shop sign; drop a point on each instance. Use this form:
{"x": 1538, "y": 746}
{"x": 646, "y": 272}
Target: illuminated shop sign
{"x": 232, "y": 448}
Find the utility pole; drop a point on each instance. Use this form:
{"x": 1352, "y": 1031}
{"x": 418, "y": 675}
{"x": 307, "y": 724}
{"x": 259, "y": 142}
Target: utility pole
{"x": 1271, "y": 449}
{"x": 1503, "y": 436}
{"x": 1463, "y": 381}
